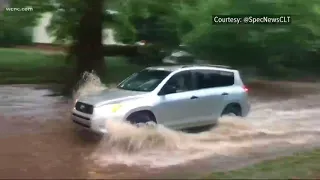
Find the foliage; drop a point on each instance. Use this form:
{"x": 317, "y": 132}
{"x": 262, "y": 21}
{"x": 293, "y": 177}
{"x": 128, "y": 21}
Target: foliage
{"x": 171, "y": 22}
{"x": 18, "y": 19}
{"x": 15, "y": 25}
{"x": 66, "y": 17}
{"x": 254, "y": 45}
{"x": 152, "y": 21}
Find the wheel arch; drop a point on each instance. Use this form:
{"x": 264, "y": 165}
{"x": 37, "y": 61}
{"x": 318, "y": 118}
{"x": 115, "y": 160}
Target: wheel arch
{"x": 235, "y": 105}
{"x": 142, "y": 110}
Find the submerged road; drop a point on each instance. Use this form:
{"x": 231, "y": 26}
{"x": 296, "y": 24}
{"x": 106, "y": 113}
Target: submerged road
{"x": 38, "y": 139}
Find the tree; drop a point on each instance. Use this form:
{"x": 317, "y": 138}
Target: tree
{"x": 80, "y": 24}
{"x": 88, "y": 40}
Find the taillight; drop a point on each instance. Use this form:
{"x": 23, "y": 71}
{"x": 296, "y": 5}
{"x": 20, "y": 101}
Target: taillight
{"x": 245, "y": 89}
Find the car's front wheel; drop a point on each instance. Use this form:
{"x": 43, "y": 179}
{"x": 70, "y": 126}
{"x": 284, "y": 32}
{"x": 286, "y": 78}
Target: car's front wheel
{"x": 141, "y": 119}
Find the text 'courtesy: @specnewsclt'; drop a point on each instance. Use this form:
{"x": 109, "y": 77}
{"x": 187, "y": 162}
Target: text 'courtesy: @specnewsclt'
{"x": 251, "y": 19}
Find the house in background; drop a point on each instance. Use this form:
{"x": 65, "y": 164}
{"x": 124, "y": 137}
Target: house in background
{"x": 4, "y": 4}
{"x": 40, "y": 34}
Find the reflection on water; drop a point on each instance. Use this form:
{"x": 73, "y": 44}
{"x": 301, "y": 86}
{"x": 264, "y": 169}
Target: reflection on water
{"x": 38, "y": 140}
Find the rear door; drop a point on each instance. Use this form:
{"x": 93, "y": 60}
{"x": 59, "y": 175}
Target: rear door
{"x": 213, "y": 88}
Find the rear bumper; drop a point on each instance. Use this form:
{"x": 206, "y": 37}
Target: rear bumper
{"x": 246, "y": 109}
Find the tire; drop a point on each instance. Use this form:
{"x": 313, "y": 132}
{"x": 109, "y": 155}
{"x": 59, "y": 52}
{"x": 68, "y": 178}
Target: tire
{"x": 231, "y": 110}
{"x": 141, "y": 119}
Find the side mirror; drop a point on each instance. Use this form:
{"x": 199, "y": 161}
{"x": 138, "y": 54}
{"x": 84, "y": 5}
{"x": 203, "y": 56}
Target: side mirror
{"x": 167, "y": 89}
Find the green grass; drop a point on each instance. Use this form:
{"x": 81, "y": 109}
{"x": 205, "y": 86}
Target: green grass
{"x": 34, "y": 67}
{"x": 301, "y": 165}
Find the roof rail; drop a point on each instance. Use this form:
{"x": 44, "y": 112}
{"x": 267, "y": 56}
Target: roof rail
{"x": 208, "y": 65}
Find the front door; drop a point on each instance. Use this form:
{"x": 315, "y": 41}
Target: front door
{"x": 178, "y": 108}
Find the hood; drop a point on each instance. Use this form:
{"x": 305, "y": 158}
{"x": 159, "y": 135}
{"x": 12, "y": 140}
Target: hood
{"x": 113, "y": 95}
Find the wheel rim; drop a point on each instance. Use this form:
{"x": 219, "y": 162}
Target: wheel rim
{"x": 151, "y": 124}
{"x": 147, "y": 124}
{"x": 140, "y": 124}
{"x": 230, "y": 114}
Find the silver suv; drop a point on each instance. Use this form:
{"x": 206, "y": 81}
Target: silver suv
{"x": 178, "y": 97}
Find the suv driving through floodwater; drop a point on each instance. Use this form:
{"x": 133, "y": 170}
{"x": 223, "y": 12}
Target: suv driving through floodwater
{"x": 178, "y": 97}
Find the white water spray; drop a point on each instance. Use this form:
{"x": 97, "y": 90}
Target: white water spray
{"x": 268, "y": 123}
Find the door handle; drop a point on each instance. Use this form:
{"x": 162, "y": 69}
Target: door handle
{"x": 225, "y": 94}
{"x": 194, "y": 97}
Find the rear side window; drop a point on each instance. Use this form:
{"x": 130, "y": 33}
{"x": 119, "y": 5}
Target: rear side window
{"x": 213, "y": 78}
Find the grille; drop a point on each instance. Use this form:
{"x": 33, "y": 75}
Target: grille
{"x": 82, "y": 124}
{"x": 79, "y": 116}
{"x": 83, "y": 107}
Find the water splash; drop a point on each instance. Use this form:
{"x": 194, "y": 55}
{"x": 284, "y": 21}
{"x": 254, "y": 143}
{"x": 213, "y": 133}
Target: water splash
{"x": 283, "y": 122}
{"x": 90, "y": 83}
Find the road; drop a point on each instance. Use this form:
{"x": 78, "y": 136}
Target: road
{"x": 39, "y": 141}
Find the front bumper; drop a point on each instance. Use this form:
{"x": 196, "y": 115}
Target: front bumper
{"x": 81, "y": 120}
{"x": 91, "y": 122}
{"x": 86, "y": 121}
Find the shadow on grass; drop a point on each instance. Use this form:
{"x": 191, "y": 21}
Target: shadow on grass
{"x": 37, "y": 67}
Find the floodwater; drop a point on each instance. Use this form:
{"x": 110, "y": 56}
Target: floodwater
{"x": 38, "y": 139}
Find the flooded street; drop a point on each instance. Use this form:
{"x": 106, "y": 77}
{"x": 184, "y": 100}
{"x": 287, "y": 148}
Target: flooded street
{"x": 38, "y": 139}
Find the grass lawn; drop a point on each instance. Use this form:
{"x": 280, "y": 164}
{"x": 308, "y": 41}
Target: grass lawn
{"x": 304, "y": 165}
{"x": 19, "y": 66}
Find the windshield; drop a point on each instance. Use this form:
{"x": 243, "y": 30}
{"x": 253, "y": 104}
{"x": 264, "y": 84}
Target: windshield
{"x": 145, "y": 80}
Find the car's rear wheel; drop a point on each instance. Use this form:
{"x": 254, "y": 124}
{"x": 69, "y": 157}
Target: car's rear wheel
{"x": 231, "y": 110}
{"x": 141, "y": 119}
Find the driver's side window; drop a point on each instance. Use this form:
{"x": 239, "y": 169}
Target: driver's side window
{"x": 179, "y": 82}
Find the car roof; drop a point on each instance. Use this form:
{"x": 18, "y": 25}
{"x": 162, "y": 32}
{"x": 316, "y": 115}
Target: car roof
{"x": 172, "y": 68}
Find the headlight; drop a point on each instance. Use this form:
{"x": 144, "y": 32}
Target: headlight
{"x": 115, "y": 107}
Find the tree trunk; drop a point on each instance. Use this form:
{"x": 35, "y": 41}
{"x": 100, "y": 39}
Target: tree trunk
{"x": 88, "y": 47}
